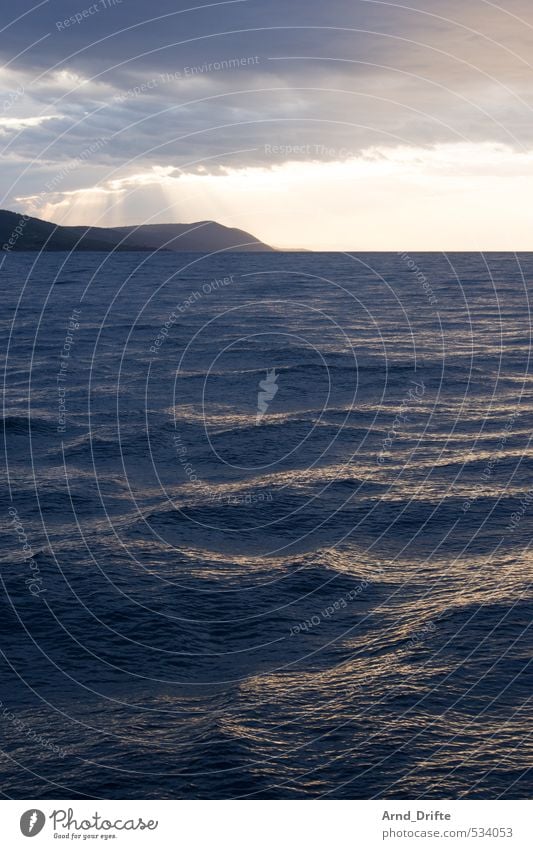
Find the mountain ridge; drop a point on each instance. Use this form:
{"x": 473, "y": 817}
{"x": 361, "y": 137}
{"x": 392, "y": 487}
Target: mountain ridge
{"x": 20, "y": 232}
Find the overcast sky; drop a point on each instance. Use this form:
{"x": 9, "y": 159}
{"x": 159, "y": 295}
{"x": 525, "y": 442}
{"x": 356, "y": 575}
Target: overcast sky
{"x": 339, "y": 125}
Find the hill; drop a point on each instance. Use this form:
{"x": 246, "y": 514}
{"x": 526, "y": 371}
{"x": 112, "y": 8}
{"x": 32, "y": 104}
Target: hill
{"x": 23, "y": 233}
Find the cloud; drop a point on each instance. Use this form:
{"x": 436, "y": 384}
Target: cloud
{"x": 218, "y": 86}
{"x": 450, "y": 197}
{"x": 12, "y": 124}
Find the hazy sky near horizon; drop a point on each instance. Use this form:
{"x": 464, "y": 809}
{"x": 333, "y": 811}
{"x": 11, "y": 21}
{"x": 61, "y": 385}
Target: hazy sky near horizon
{"x": 347, "y": 125}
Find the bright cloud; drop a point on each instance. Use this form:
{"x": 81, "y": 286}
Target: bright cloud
{"x": 450, "y": 197}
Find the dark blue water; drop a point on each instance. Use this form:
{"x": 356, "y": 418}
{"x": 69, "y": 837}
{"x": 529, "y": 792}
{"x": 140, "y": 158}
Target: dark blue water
{"x": 266, "y": 536}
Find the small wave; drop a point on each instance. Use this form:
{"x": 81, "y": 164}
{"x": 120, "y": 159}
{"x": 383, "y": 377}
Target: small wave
{"x": 24, "y": 425}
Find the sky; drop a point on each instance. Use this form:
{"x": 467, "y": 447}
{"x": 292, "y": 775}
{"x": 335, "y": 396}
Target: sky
{"x": 340, "y": 125}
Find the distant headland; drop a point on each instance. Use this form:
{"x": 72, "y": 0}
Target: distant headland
{"x": 19, "y": 232}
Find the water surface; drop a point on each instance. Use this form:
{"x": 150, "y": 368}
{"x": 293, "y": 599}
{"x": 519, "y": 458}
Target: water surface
{"x": 277, "y": 514}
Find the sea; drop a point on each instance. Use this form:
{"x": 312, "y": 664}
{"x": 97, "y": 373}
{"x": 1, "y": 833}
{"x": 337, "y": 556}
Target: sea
{"x": 266, "y": 525}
